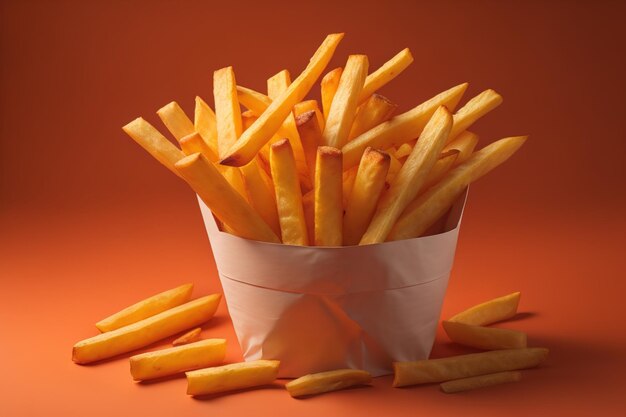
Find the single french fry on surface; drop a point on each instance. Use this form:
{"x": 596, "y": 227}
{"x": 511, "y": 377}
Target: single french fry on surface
{"x": 146, "y": 331}
{"x": 253, "y": 139}
{"x": 261, "y": 194}
{"x": 205, "y": 124}
{"x": 445, "y": 162}
{"x": 154, "y": 142}
{"x": 253, "y": 100}
{"x": 328, "y": 87}
{"x": 288, "y": 194}
{"x": 368, "y": 185}
{"x": 480, "y": 381}
{"x": 498, "y": 309}
{"x": 434, "y": 203}
{"x": 194, "y": 143}
{"x": 310, "y": 105}
{"x": 465, "y": 144}
{"x": 176, "y": 360}
{"x": 328, "y": 381}
{"x": 488, "y": 338}
{"x": 311, "y": 138}
{"x": 227, "y": 110}
{"x": 223, "y": 200}
{"x": 146, "y": 308}
{"x": 191, "y": 336}
{"x": 463, "y": 366}
{"x": 374, "y": 111}
{"x": 409, "y": 181}
{"x": 390, "y": 70}
{"x": 473, "y": 110}
{"x": 176, "y": 121}
{"x": 401, "y": 128}
{"x": 231, "y": 377}
{"x": 328, "y": 197}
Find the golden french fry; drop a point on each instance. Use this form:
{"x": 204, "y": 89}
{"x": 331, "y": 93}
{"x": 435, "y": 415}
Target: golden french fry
{"x": 434, "y": 203}
{"x": 253, "y": 100}
{"x": 368, "y": 185}
{"x": 465, "y": 144}
{"x": 401, "y": 128}
{"x": 394, "y": 168}
{"x": 194, "y": 143}
{"x": 310, "y": 105}
{"x": 463, "y": 366}
{"x": 247, "y": 118}
{"x": 349, "y": 177}
{"x": 223, "y": 200}
{"x": 205, "y": 124}
{"x": 235, "y": 179}
{"x": 146, "y": 308}
{"x": 328, "y": 197}
{"x": 390, "y": 70}
{"x": 328, "y": 381}
{"x": 491, "y": 311}
{"x": 441, "y": 167}
{"x": 311, "y": 137}
{"x": 154, "y": 142}
{"x": 473, "y": 110}
{"x": 409, "y": 181}
{"x": 480, "y": 381}
{"x": 231, "y": 377}
{"x": 176, "y": 360}
{"x": 176, "y": 121}
{"x": 146, "y": 331}
{"x": 404, "y": 150}
{"x": 191, "y": 336}
{"x": 488, "y": 338}
{"x": 288, "y": 194}
{"x": 227, "y": 110}
{"x": 328, "y": 87}
{"x": 308, "y": 206}
{"x": 344, "y": 105}
{"x": 376, "y": 110}
{"x": 261, "y": 193}
{"x": 253, "y": 139}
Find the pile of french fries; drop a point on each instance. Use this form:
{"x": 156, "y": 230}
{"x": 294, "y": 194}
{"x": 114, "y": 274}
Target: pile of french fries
{"x": 349, "y": 173}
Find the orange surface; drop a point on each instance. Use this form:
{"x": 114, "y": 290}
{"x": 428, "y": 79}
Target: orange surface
{"x": 90, "y": 224}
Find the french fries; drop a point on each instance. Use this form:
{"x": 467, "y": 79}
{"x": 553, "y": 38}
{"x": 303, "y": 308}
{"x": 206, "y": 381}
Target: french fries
{"x": 227, "y": 111}
{"x": 374, "y": 111}
{"x": 328, "y": 87}
{"x": 487, "y": 338}
{"x": 464, "y": 144}
{"x": 441, "y": 167}
{"x": 191, "y": 336}
{"x": 311, "y": 137}
{"x": 463, "y": 366}
{"x": 328, "y": 197}
{"x": 322, "y": 382}
{"x": 193, "y": 143}
{"x": 146, "y": 308}
{"x": 205, "y": 124}
{"x": 253, "y": 100}
{"x": 260, "y": 190}
{"x": 498, "y": 309}
{"x": 480, "y": 381}
{"x": 310, "y": 105}
{"x": 390, "y": 70}
{"x": 144, "y": 332}
{"x": 231, "y": 377}
{"x": 175, "y": 360}
{"x": 476, "y": 108}
{"x": 176, "y": 121}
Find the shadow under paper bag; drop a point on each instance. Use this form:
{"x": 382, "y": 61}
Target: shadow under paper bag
{"x": 322, "y": 308}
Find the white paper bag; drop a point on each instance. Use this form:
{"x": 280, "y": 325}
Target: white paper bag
{"x": 324, "y": 308}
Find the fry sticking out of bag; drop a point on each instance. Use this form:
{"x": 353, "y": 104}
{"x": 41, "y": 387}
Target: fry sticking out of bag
{"x": 481, "y": 381}
{"x": 176, "y": 360}
{"x": 328, "y": 381}
{"x": 328, "y": 197}
{"x": 311, "y": 137}
{"x": 410, "y": 180}
{"x": 487, "y": 338}
{"x": 247, "y": 118}
{"x": 260, "y": 190}
{"x": 288, "y": 194}
{"x": 473, "y": 110}
{"x": 191, "y": 336}
{"x": 368, "y": 185}
{"x": 463, "y": 366}
{"x": 310, "y": 105}
{"x": 227, "y": 110}
{"x": 253, "y": 100}
{"x": 345, "y": 102}
{"x": 465, "y": 144}
{"x": 376, "y": 110}
{"x": 176, "y": 121}
{"x": 390, "y": 70}
{"x": 328, "y": 88}
{"x": 308, "y": 206}
{"x": 441, "y": 167}
{"x": 193, "y": 143}
{"x": 404, "y": 150}
{"x": 231, "y": 377}
{"x": 205, "y": 124}
{"x": 498, "y": 309}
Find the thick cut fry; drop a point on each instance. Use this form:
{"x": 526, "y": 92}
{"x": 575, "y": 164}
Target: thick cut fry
{"x": 235, "y": 179}
{"x": 189, "y": 337}
{"x": 434, "y": 203}
{"x": 481, "y": 381}
{"x": 401, "y": 128}
{"x": 288, "y": 194}
{"x": 344, "y": 105}
{"x": 146, "y": 308}
{"x": 411, "y": 177}
{"x": 146, "y": 331}
{"x": 253, "y": 100}
{"x": 465, "y": 144}
{"x": 328, "y": 87}
{"x": 231, "y": 377}
{"x": 194, "y": 143}
{"x": 487, "y": 338}
{"x": 328, "y": 197}
{"x": 311, "y": 137}
{"x": 261, "y": 193}
{"x": 368, "y": 185}
{"x": 498, "y": 309}
{"x": 322, "y": 382}
{"x": 376, "y": 110}
{"x": 219, "y": 196}
{"x": 176, "y": 360}
{"x": 390, "y": 70}
{"x": 463, "y": 366}
{"x": 227, "y": 110}
{"x": 253, "y": 139}
{"x": 441, "y": 167}
{"x": 310, "y": 105}
{"x": 205, "y": 124}
{"x": 154, "y": 142}
{"x": 176, "y": 121}
{"x": 473, "y": 110}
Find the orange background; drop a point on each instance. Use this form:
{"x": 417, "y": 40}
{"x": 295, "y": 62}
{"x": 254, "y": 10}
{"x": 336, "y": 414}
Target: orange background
{"x": 89, "y": 223}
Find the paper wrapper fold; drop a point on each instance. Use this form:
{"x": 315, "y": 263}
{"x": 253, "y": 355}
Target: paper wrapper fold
{"x": 323, "y": 308}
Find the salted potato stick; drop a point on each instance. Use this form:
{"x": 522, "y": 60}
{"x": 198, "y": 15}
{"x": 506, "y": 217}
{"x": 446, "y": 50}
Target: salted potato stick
{"x": 154, "y": 142}
{"x": 481, "y": 381}
{"x": 288, "y": 194}
{"x": 401, "y": 128}
{"x": 227, "y": 110}
{"x": 434, "y": 203}
{"x": 176, "y": 121}
{"x": 175, "y": 360}
{"x": 374, "y": 111}
{"x": 191, "y": 336}
{"x": 194, "y": 143}
{"x": 311, "y": 137}
{"x": 146, "y": 308}
{"x": 368, "y": 185}
{"x": 261, "y": 193}
{"x": 390, "y": 70}
{"x": 253, "y": 100}
{"x": 205, "y": 124}
{"x": 328, "y": 197}
{"x": 219, "y": 196}
{"x": 463, "y": 366}
{"x": 439, "y": 170}
{"x": 146, "y": 331}
{"x": 328, "y": 88}
{"x": 310, "y": 105}
{"x": 498, "y": 309}
{"x": 328, "y": 381}
{"x": 473, "y": 110}
{"x": 344, "y": 105}
{"x": 464, "y": 143}
{"x": 253, "y": 139}
{"x": 480, "y": 337}
{"x": 411, "y": 177}
{"x": 231, "y": 377}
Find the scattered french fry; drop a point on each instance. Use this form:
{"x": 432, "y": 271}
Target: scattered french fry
{"x": 260, "y": 190}
{"x": 390, "y": 70}
{"x": 328, "y": 197}
{"x": 176, "y": 121}
{"x": 376, "y": 110}
{"x": 465, "y": 144}
{"x": 311, "y": 138}
{"x": 498, "y": 309}
{"x": 480, "y": 381}
{"x": 441, "y": 167}
{"x": 191, "y": 336}
{"x": 322, "y": 382}
{"x": 194, "y": 143}
{"x": 473, "y": 110}
{"x": 488, "y": 338}
{"x": 227, "y": 110}
{"x": 328, "y": 87}
{"x": 205, "y": 124}
{"x": 231, "y": 377}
